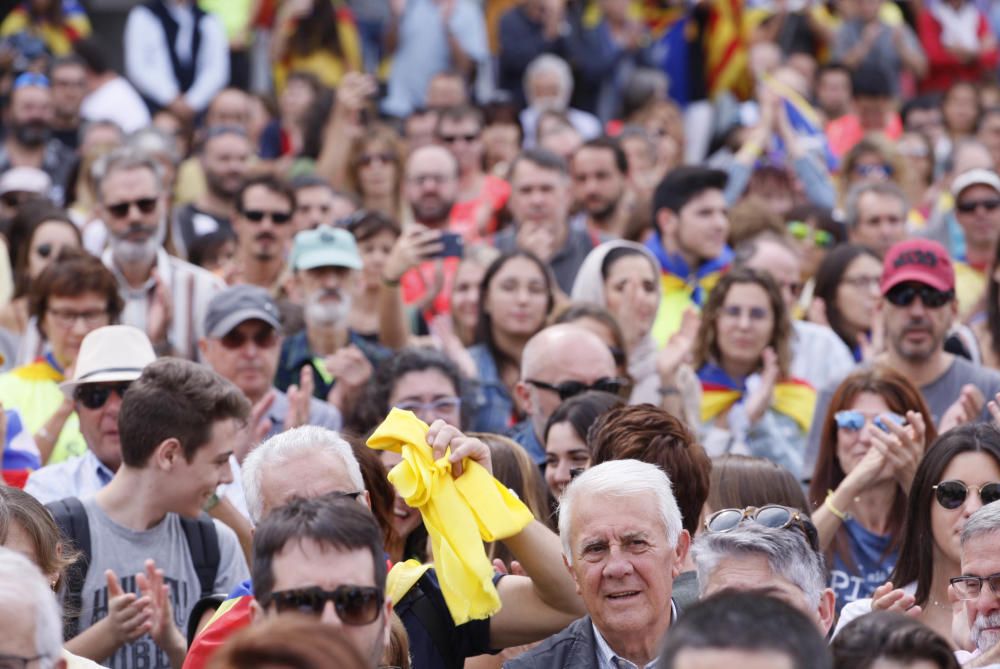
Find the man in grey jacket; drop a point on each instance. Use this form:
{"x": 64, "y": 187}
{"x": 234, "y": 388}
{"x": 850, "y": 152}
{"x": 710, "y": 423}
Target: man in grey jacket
{"x": 624, "y": 544}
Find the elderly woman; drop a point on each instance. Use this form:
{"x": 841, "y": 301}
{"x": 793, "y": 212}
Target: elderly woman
{"x": 624, "y": 278}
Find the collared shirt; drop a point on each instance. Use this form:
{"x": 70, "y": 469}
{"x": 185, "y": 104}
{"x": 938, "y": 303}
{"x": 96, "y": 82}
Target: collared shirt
{"x": 608, "y": 659}
{"x": 191, "y": 289}
{"x": 147, "y": 56}
{"x": 81, "y": 476}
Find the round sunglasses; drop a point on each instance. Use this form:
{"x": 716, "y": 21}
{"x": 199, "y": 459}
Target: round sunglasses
{"x": 773, "y": 516}
{"x": 952, "y": 494}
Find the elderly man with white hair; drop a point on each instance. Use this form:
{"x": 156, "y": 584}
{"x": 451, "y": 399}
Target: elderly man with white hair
{"x": 30, "y": 619}
{"x": 779, "y": 562}
{"x": 548, "y": 85}
{"x": 979, "y": 586}
{"x": 624, "y": 545}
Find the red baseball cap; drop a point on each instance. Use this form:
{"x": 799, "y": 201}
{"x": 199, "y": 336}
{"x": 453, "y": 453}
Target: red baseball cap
{"x": 920, "y": 260}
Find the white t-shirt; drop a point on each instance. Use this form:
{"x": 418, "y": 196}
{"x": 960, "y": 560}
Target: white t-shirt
{"x": 116, "y": 101}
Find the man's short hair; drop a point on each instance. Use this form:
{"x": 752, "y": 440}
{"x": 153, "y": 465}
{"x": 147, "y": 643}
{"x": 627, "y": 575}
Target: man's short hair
{"x": 23, "y": 585}
{"x": 125, "y": 159}
{"x": 269, "y": 182}
{"x": 331, "y": 520}
{"x": 621, "y": 478}
{"x": 650, "y": 434}
{"x": 611, "y": 144}
{"x": 543, "y": 158}
{"x": 885, "y": 188}
{"x": 457, "y": 115}
{"x": 787, "y": 551}
{"x": 745, "y": 621}
{"x": 891, "y": 636}
{"x": 683, "y": 184}
{"x": 179, "y": 399}
{"x": 986, "y": 520}
{"x": 870, "y": 81}
{"x": 296, "y": 444}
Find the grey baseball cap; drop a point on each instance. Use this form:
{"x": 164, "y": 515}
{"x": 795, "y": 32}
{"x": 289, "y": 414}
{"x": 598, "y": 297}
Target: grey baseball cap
{"x": 237, "y": 304}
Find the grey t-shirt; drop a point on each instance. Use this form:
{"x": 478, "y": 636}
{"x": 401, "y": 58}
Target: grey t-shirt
{"x": 883, "y": 54}
{"x": 939, "y": 394}
{"x": 125, "y": 551}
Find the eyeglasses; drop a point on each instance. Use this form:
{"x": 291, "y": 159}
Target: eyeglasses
{"x": 263, "y": 338}
{"x": 568, "y": 389}
{"x": 952, "y": 494}
{"x": 385, "y": 158}
{"x": 442, "y": 405}
{"x": 355, "y": 605}
{"x": 433, "y": 179}
{"x": 774, "y": 516}
{"x": 802, "y": 232}
{"x": 853, "y": 421}
{"x": 883, "y": 171}
{"x": 863, "y": 282}
{"x": 970, "y": 587}
{"x": 454, "y": 139}
{"x": 67, "y": 318}
{"x": 755, "y": 313}
{"x": 904, "y": 294}
{"x": 120, "y": 209}
{"x": 970, "y": 206}
{"x": 18, "y": 662}
{"x": 258, "y": 215}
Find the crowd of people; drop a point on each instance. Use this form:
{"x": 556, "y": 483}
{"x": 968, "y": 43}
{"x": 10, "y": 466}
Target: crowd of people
{"x": 520, "y": 333}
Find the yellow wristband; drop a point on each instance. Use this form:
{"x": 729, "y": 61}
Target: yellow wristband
{"x": 828, "y": 503}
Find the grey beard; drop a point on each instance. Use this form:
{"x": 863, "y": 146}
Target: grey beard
{"x": 127, "y": 252}
{"x": 328, "y": 313}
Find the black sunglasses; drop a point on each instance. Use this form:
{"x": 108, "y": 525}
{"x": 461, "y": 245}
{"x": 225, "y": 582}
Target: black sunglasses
{"x": 262, "y": 338}
{"x": 904, "y": 294}
{"x": 774, "y": 516}
{"x": 452, "y": 139}
{"x": 95, "y": 396}
{"x": 120, "y": 209}
{"x": 568, "y": 389}
{"x": 258, "y": 215}
{"x": 970, "y": 206}
{"x": 355, "y": 605}
{"x": 952, "y": 494}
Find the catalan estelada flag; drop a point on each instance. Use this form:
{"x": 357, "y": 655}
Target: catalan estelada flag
{"x": 727, "y": 49}
{"x": 793, "y": 397}
{"x": 231, "y": 616}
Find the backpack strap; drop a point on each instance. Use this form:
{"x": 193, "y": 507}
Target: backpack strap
{"x": 71, "y": 518}
{"x": 433, "y": 621}
{"x": 203, "y": 544}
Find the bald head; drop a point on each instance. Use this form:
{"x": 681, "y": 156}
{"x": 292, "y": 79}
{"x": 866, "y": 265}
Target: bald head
{"x": 776, "y": 257}
{"x": 557, "y": 354}
{"x": 431, "y": 185}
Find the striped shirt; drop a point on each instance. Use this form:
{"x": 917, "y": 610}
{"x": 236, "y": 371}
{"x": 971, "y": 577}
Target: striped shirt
{"x": 191, "y": 289}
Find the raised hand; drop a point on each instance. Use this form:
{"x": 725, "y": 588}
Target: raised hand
{"x": 129, "y": 615}
{"x": 964, "y": 410}
{"x": 161, "y": 624}
{"x": 442, "y": 436}
{"x": 760, "y": 399}
{"x": 161, "y": 311}
{"x": 902, "y": 447}
{"x": 299, "y": 397}
{"x": 888, "y": 597}
{"x": 678, "y": 348}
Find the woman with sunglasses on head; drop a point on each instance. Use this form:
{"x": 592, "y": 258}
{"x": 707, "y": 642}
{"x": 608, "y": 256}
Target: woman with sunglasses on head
{"x": 846, "y": 293}
{"x": 872, "y": 438}
{"x": 959, "y": 473}
{"x": 749, "y": 404}
{"x": 39, "y": 232}
{"x": 516, "y": 296}
{"x": 624, "y": 278}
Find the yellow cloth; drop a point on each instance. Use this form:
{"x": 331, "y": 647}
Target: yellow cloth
{"x": 33, "y": 390}
{"x": 792, "y": 398}
{"x": 970, "y": 286}
{"x": 459, "y": 514}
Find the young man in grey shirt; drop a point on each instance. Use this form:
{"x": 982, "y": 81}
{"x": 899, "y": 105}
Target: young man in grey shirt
{"x": 178, "y": 423}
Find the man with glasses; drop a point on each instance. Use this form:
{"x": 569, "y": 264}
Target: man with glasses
{"x": 978, "y": 587}
{"x": 917, "y": 309}
{"x": 242, "y": 343}
{"x": 977, "y": 211}
{"x": 557, "y": 363}
{"x": 876, "y": 215}
{"x": 325, "y": 263}
{"x": 164, "y": 296}
{"x": 263, "y": 226}
{"x": 110, "y": 359}
{"x": 324, "y": 556}
{"x": 769, "y": 551}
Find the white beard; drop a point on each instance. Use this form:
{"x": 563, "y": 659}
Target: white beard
{"x": 324, "y": 312}
{"x": 127, "y": 252}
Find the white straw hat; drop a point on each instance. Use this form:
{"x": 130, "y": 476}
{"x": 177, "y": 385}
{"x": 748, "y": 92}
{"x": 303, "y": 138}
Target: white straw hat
{"x": 108, "y": 354}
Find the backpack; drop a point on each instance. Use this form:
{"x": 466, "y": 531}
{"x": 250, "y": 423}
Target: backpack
{"x": 71, "y": 517}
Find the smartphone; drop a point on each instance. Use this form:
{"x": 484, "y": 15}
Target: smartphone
{"x": 452, "y": 246}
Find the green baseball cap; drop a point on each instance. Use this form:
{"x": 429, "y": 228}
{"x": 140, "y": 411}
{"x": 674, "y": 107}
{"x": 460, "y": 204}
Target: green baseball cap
{"x": 325, "y": 247}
